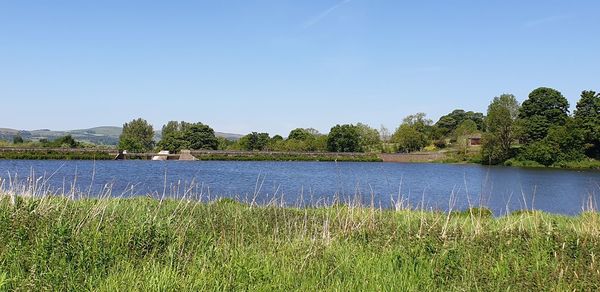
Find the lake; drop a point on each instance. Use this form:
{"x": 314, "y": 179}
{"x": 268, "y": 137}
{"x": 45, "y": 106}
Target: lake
{"x": 435, "y": 186}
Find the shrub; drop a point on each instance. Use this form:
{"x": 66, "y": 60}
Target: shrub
{"x": 440, "y": 143}
{"x": 540, "y": 152}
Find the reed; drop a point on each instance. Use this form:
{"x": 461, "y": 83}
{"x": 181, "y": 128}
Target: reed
{"x": 69, "y": 239}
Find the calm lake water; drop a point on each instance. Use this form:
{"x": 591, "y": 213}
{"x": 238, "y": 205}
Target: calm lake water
{"x": 300, "y": 183}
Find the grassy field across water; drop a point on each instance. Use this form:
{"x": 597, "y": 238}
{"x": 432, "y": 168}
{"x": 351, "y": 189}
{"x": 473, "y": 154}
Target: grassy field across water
{"x": 111, "y": 244}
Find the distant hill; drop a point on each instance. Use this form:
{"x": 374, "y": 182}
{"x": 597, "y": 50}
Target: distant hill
{"x": 99, "y": 135}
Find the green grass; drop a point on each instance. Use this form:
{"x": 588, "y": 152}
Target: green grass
{"x": 582, "y": 164}
{"x": 56, "y": 155}
{"x": 177, "y": 245}
{"x": 74, "y": 154}
{"x": 523, "y": 163}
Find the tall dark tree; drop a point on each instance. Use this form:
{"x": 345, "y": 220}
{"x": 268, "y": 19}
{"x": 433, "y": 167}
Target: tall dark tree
{"x": 182, "y": 135}
{"x": 171, "y": 128}
{"x": 18, "y": 139}
{"x": 409, "y": 139}
{"x": 562, "y": 144}
{"x": 419, "y": 121}
{"x": 277, "y": 138}
{"x": 255, "y": 141}
{"x": 414, "y": 133}
{"x": 545, "y": 107}
{"x": 501, "y": 129}
{"x": 344, "y": 138}
{"x": 137, "y": 136}
{"x": 587, "y": 118}
{"x": 448, "y": 123}
{"x": 200, "y": 136}
{"x": 172, "y": 137}
{"x": 301, "y": 134}
{"x": 66, "y": 141}
{"x": 370, "y": 139}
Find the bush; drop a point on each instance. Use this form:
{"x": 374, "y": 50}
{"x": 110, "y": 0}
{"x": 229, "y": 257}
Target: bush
{"x": 540, "y": 152}
{"x": 18, "y": 139}
{"x": 522, "y": 163}
{"x": 579, "y": 164}
{"x": 62, "y": 142}
{"x": 440, "y": 143}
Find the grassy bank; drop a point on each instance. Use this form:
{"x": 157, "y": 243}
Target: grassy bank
{"x": 56, "y": 155}
{"x": 143, "y": 244}
{"x": 474, "y": 157}
{"x": 89, "y": 154}
{"x": 582, "y": 164}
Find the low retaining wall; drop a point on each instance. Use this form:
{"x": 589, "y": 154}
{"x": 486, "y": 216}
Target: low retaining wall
{"x": 412, "y": 157}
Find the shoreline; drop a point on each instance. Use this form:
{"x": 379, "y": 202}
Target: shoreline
{"x": 421, "y": 157}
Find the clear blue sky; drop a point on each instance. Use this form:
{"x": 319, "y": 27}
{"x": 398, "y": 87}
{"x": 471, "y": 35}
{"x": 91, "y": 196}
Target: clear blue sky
{"x": 273, "y": 65}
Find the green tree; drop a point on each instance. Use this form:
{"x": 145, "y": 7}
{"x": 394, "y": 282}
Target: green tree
{"x": 419, "y": 121}
{"x": 307, "y": 139}
{"x": 344, "y": 138}
{"x": 171, "y": 128}
{"x": 409, "y": 139}
{"x": 501, "y": 129}
{"x": 563, "y": 143}
{"x": 200, "y": 137}
{"x": 369, "y": 138}
{"x": 463, "y": 133}
{"x": 67, "y": 142}
{"x": 320, "y": 143}
{"x": 540, "y": 152}
{"x": 18, "y": 139}
{"x": 466, "y": 128}
{"x": 300, "y": 134}
{"x": 255, "y": 141}
{"x": 183, "y": 135}
{"x": 414, "y": 133}
{"x": 544, "y": 108}
{"x": 62, "y": 142}
{"x": 224, "y": 143}
{"x": 587, "y": 118}
{"x": 137, "y": 136}
{"x": 276, "y": 142}
{"x": 534, "y": 129}
{"x": 569, "y": 139}
{"x": 447, "y": 124}
{"x": 173, "y": 138}
{"x": 476, "y": 117}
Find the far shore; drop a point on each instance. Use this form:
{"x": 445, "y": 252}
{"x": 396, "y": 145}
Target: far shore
{"x": 18, "y": 153}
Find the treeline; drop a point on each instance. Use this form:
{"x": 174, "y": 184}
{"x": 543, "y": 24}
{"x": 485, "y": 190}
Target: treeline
{"x": 539, "y": 131}
{"x": 415, "y": 133}
{"x": 542, "y": 128}
{"x": 138, "y": 135}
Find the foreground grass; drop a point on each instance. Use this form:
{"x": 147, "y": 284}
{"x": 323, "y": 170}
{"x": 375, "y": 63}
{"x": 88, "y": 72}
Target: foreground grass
{"x": 144, "y": 244}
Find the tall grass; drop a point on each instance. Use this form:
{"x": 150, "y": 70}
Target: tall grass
{"x": 51, "y": 241}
